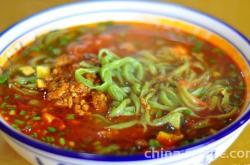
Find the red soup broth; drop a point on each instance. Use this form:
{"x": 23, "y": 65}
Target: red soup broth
{"x": 190, "y": 89}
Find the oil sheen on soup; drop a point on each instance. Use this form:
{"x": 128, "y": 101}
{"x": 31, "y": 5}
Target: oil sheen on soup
{"x": 120, "y": 88}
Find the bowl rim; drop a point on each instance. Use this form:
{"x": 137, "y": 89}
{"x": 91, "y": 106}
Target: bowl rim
{"x": 137, "y": 157}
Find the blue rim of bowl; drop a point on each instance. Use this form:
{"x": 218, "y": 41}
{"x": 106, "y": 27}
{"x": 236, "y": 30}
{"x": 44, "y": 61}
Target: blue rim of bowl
{"x": 115, "y": 158}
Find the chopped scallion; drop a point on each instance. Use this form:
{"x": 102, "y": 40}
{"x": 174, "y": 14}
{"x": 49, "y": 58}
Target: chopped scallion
{"x": 50, "y": 139}
{"x": 197, "y": 47}
{"x": 12, "y": 112}
{"x": 12, "y": 108}
{"x": 154, "y": 143}
{"x": 36, "y": 118}
{"x": 3, "y": 78}
{"x": 70, "y": 117}
{"x": 34, "y": 134}
{"x": 51, "y": 129}
{"x": 18, "y": 122}
{"x": 61, "y": 141}
{"x": 3, "y": 105}
{"x": 34, "y": 102}
{"x": 15, "y": 126}
{"x": 16, "y": 96}
{"x": 22, "y": 112}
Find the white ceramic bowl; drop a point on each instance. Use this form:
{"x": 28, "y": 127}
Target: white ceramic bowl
{"x": 209, "y": 28}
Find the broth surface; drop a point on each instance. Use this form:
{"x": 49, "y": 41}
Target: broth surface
{"x": 165, "y": 88}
